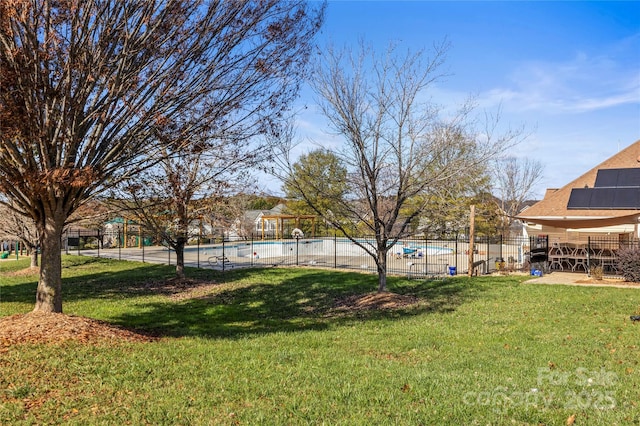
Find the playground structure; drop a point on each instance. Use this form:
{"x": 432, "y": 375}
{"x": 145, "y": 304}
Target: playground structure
{"x": 125, "y": 233}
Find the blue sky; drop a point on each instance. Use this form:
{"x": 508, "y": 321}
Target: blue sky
{"x": 568, "y": 71}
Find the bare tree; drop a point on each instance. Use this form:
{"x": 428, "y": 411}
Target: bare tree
{"x": 83, "y": 86}
{"x": 397, "y": 149}
{"x": 516, "y": 179}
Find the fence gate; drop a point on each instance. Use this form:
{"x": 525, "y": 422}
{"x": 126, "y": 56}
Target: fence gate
{"x": 539, "y": 252}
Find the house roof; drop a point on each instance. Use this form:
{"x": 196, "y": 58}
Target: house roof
{"x": 554, "y": 209}
{"x": 254, "y": 215}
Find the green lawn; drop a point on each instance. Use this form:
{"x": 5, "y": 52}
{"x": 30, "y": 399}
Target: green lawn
{"x": 265, "y": 346}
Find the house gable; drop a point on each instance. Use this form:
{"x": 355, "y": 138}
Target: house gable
{"x": 572, "y": 207}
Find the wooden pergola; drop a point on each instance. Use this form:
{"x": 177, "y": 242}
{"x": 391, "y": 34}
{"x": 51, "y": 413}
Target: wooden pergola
{"x": 280, "y": 218}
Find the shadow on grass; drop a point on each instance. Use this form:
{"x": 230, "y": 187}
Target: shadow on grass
{"x": 288, "y": 301}
{"x": 85, "y": 277}
{"x": 242, "y": 301}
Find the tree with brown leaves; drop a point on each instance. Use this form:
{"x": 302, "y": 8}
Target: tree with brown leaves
{"x": 85, "y": 84}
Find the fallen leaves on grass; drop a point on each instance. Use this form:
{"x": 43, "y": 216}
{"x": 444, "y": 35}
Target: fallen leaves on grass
{"x": 32, "y": 270}
{"x": 375, "y": 301}
{"x": 43, "y": 327}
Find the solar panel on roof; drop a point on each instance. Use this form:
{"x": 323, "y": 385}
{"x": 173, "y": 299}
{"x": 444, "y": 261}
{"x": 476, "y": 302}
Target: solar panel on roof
{"x": 604, "y": 199}
{"x": 614, "y": 189}
{"x": 629, "y": 178}
{"x": 626, "y": 198}
{"x": 580, "y": 198}
{"x": 606, "y": 178}
{"x": 618, "y": 178}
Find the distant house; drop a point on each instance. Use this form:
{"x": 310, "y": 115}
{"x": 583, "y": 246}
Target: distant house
{"x": 605, "y": 201}
{"x": 253, "y": 223}
{"x": 272, "y": 223}
{"x": 263, "y": 222}
{"x": 518, "y": 227}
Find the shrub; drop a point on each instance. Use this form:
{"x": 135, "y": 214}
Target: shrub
{"x": 597, "y": 272}
{"x": 629, "y": 263}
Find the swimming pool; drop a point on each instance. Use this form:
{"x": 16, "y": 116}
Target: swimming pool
{"x": 268, "y": 249}
{"x": 320, "y": 247}
{"x": 424, "y": 250}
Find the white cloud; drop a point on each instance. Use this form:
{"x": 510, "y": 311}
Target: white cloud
{"x": 582, "y": 84}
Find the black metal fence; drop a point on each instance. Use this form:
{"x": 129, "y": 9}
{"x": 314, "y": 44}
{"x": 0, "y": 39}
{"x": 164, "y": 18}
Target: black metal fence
{"x": 419, "y": 257}
{"x": 82, "y": 239}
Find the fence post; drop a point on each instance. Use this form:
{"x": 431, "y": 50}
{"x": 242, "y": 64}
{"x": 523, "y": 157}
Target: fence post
{"x": 426, "y": 254}
{"x": 251, "y": 252}
{"x": 546, "y": 239}
{"x": 143, "y": 250}
{"x": 119, "y": 246}
{"x": 455, "y": 260}
{"x": 589, "y": 255}
{"x": 335, "y": 251}
{"x": 223, "y": 256}
{"x": 99, "y": 242}
{"x": 297, "y": 252}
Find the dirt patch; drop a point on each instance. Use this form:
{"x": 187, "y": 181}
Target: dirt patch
{"x": 42, "y": 327}
{"x": 181, "y": 288}
{"x": 374, "y": 301}
{"x": 608, "y": 281}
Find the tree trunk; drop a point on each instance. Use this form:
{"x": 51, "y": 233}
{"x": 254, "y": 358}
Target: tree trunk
{"x": 33, "y": 252}
{"x": 382, "y": 270}
{"x": 49, "y": 292}
{"x": 180, "y": 243}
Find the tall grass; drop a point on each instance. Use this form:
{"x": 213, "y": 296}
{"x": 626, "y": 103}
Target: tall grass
{"x": 266, "y": 346}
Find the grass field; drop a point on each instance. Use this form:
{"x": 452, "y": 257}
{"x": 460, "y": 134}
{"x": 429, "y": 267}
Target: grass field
{"x": 268, "y": 346}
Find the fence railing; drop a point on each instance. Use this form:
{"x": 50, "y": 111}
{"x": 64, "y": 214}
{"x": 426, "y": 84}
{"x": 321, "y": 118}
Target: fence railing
{"x": 596, "y": 252}
{"x": 409, "y": 256}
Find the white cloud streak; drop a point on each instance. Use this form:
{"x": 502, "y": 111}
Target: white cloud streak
{"x": 585, "y": 83}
